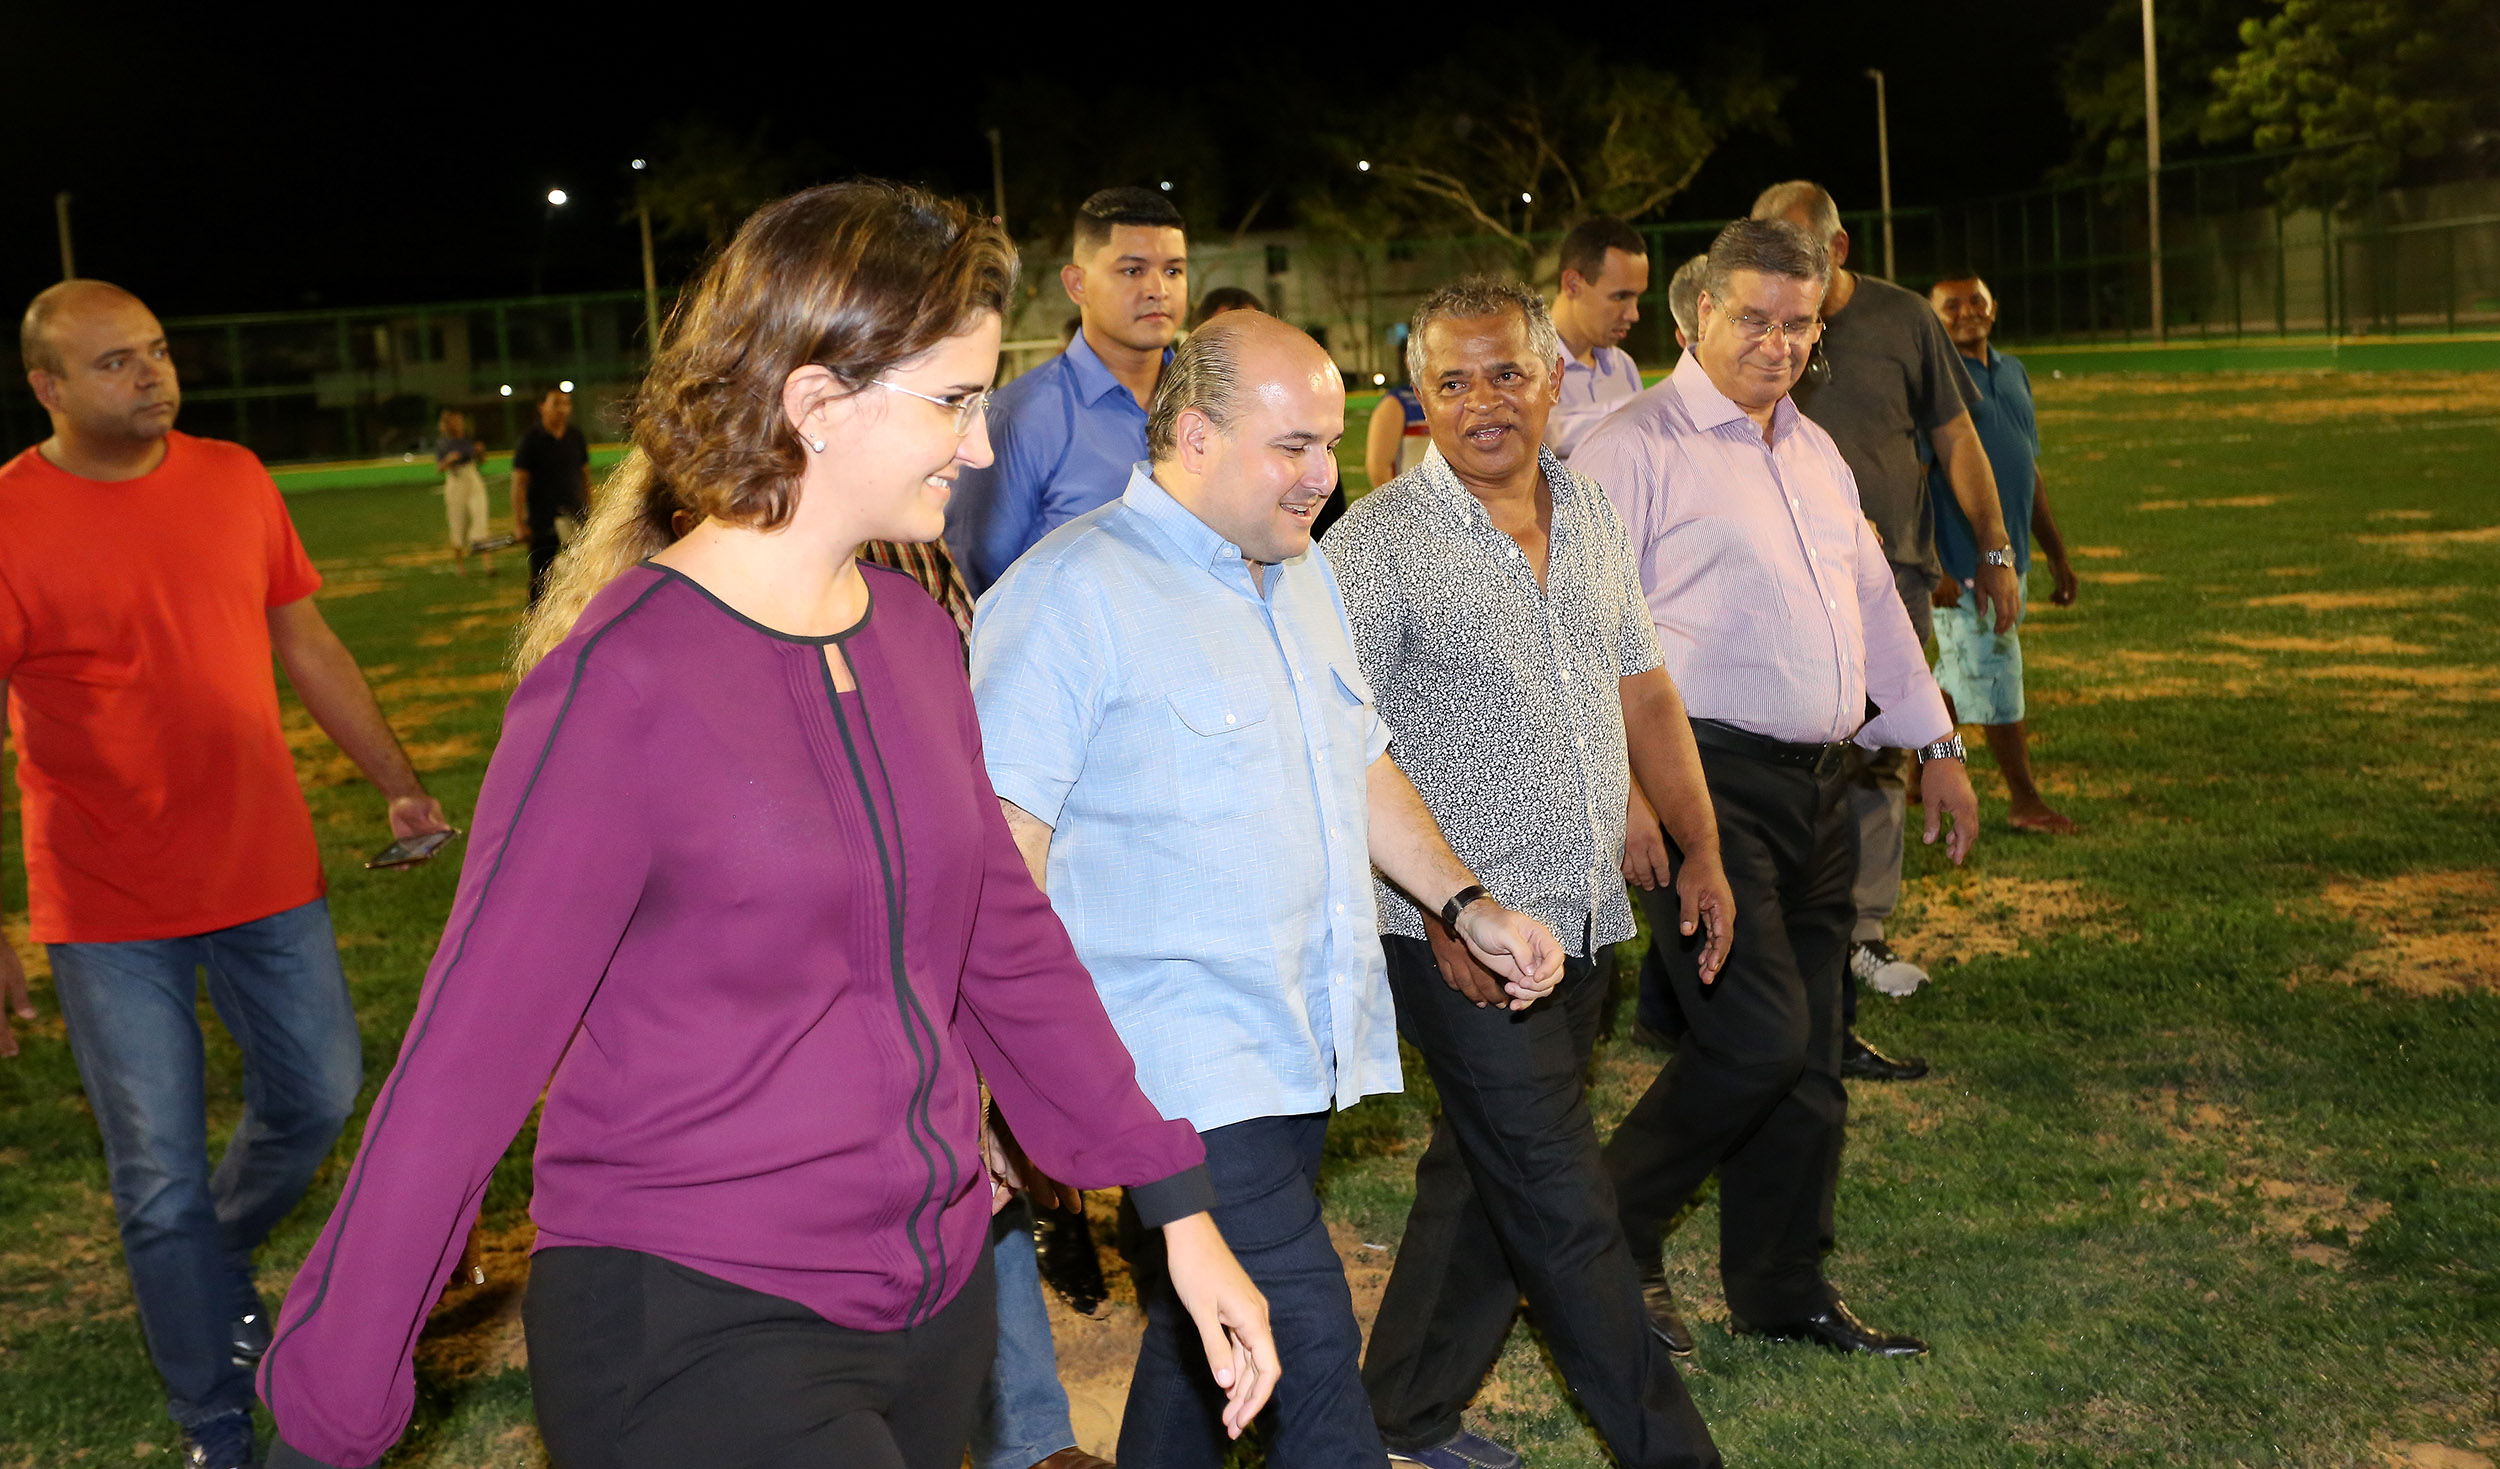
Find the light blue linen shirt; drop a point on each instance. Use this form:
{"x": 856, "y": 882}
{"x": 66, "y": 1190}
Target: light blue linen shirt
{"x": 1200, "y": 752}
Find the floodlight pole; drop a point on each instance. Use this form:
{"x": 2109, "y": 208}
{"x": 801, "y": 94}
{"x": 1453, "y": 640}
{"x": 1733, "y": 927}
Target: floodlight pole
{"x": 2152, "y": 173}
{"x": 998, "y": 177}
{"x": 60, "y": 215}
{"x": 1883, "y": 160}
{"x": 650, "y": 281}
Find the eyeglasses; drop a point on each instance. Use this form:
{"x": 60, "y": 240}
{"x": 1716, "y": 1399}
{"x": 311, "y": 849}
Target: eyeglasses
{"x": 1757, "y": 329}
{"x": 965, "y": 409}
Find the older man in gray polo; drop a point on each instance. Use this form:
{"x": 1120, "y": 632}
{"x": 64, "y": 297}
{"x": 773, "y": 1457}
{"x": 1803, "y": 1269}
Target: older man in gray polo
{"x": 1499, "y": 618}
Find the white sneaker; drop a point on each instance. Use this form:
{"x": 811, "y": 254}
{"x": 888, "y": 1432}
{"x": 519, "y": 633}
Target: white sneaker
{"x": 1874, "y": 962}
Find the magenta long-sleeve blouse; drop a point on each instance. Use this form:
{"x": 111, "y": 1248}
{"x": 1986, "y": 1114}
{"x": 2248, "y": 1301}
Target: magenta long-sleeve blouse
{"x": 763, "y": 935}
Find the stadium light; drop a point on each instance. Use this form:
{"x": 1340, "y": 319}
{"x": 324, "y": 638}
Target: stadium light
{"x": 1167, "y": 186}
{"x": 1364, "y": 164}
{"x": 565, "y": 386}
{"x": 507, "y": 390}
{"x": 638, "y": 165}
{"x": 1380, "y": 379}
{"x": 1527, "y": 198}
{"x": 556, "y": 196}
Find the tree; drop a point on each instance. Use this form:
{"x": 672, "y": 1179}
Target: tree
{"x": 1540, "y": 143}
{"x": 2368, "y": 84}
{"x": 2102, "y": 77}
{"x": 704, "y": 180}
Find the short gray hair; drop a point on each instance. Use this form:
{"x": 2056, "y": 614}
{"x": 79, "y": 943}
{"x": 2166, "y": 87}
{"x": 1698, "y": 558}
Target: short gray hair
{"x": 1205, "y": 374}
{"x": 1822, "y": 215}
{"x": 1770, "y": 246}
{"x": 1684, "y": 295}
{"x": 1482, "y": 295}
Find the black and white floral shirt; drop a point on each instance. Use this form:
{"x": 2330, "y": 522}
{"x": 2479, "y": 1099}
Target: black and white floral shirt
{"x": 1505, "y": 696}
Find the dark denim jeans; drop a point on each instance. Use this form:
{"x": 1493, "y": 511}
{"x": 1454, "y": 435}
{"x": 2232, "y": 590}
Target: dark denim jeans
{"x": 1266, "y": 1173}
{"x": 187, "y": 1233}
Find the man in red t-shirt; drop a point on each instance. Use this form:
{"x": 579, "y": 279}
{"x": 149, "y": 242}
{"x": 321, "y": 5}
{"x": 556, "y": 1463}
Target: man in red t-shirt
{"x": 146, "y": 579}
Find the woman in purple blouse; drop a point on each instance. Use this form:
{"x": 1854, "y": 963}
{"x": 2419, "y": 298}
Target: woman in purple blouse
{"x": 739, "y": 885}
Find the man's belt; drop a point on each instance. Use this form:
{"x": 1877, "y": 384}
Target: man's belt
{"x": 1715, "y": 735}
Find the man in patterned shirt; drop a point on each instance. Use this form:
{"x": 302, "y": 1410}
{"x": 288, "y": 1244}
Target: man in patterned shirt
{"x": 1498, "y": 615}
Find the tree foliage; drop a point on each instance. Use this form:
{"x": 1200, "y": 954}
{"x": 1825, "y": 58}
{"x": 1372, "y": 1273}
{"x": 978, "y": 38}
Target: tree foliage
{"x": 2368, "y": 83}
{"x": 1533, "y": 144}
{"x": 2102, "y": 78}
{"x": 705, "y": 179}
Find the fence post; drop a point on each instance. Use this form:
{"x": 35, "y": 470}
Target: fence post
{"x": 2449, "y": 293}
{"x": 347, "y": 374}
{"x": 503, "y": 366}
{"x": 234, "y": 372}
{"x": 2282, "y": 288}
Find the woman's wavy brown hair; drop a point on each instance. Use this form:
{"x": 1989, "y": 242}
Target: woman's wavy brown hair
{"x": 854, "y": 277}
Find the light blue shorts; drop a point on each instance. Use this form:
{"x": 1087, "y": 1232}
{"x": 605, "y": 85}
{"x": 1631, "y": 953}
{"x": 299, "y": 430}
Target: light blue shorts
{"x": 1981, "y": 668}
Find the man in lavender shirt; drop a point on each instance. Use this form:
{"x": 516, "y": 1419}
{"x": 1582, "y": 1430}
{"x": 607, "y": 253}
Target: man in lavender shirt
{"x": 1605, "y": 272}
{"x": 1782, "y": 628}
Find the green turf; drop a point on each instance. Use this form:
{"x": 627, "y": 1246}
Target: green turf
{"x": 2179, "y": 1192}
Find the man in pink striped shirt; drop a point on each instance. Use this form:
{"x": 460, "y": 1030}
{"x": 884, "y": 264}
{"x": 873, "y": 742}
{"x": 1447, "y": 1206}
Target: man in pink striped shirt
{"x": 1783, "y": 629}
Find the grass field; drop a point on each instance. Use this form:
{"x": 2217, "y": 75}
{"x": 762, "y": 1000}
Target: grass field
{"x": 2209, "y": 1168}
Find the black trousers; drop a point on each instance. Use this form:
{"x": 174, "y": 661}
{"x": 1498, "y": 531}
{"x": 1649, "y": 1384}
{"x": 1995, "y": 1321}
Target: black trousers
{"x": 1754, "y": 1091}
{"x": 1509, "y": 1198}
{"x": 544, "y": 546}
{"x": 641, "y": 1363}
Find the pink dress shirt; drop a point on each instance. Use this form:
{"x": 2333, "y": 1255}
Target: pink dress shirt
{"x": 1772, "y": 596}
{"x": 1591, "y": 389}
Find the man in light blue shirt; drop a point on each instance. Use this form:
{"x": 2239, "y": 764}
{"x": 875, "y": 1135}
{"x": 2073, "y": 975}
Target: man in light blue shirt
{"x": 1186, "y": 750}
{"x": 1066, "y": 432}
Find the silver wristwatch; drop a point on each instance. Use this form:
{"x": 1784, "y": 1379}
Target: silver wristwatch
{"x": 1948, "y": 748}
{"x": 2001, "y": 556}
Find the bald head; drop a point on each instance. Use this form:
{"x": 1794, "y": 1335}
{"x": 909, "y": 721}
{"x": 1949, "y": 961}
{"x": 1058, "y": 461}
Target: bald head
{"x": 1223, "y": 364}
{"x": 58, "y": 306}
{"x": 1803, "y": 203}
{"x": 97, "y": 360}
{"x": 1244, "y": 430}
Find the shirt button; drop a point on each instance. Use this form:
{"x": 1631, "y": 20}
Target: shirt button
{"x": 1828, "y": 602}
{"x": 1341, "y": 907}
{"x": 1228, "y": 719}
{"x": 1584, "y": 742}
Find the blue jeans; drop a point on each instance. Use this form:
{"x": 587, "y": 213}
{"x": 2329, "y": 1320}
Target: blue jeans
{"x": 1266, "y": 1175}
{"x": 1024, "y": 1411}
{"x": 187, "y": 1233}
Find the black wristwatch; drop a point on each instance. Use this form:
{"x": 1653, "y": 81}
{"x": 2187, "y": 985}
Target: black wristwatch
{"x": 1458, "y": 903}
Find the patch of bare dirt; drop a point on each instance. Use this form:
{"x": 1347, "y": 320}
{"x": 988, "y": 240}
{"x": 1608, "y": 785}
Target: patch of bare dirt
{"x": 1973, "y": 915}
{"x": 2459, "y": 682}
{"x": 2365, "y": 643}
{"x": 2118, "y": 578}
{"x": 475, "y": 1330}
{"x": 2435, "y": 542}
{"x": 2433, "y": 933}
{"x": 2400, "y": 1455}
{"x": 2400, "y": 514}
{"x": 2098, "y": 553}
{"x": 2387, "y": 599}
{"x": 2291, "y": 571}
{"x": 66, "y": 1265}
{"x": 2281, "y": 1195}
{"x": 2221, "y": 502}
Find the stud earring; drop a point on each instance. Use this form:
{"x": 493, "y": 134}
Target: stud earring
{"x": 816, "y": 444}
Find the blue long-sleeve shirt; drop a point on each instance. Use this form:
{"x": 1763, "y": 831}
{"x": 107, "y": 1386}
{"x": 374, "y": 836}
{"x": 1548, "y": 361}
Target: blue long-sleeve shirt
{"x": 1065, "y": 435}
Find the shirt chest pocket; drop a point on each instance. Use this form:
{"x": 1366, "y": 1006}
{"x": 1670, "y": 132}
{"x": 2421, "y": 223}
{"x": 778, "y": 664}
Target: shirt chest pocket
{"x": 1224, "y": 747}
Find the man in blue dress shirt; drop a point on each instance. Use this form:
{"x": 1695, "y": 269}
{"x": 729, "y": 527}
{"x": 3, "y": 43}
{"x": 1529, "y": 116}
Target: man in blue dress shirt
{"x": 1186, "y": 750}
{"x": 1066, "y": 433}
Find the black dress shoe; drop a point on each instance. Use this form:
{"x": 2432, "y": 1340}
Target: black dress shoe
{"x": 1838, "y": 1327}
{"x": 1665, "y": 1321}
{"x": 1865, "y": 1063}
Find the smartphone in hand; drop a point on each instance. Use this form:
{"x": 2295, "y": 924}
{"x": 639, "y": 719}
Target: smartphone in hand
{"x": 409, "y": 851}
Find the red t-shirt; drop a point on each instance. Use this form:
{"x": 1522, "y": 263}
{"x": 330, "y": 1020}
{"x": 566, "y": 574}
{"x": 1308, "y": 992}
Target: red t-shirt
{"x": 160, "y": 798}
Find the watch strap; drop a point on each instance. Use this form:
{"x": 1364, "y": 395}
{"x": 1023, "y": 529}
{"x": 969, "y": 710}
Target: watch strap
{"x": 1458, "y": 903}
{"x": 1948, "y": 748}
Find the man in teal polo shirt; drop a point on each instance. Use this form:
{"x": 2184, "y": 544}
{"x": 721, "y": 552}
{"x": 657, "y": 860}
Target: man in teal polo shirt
{"x": 1980, "y": 668}
{"x": 1066, "y": 433}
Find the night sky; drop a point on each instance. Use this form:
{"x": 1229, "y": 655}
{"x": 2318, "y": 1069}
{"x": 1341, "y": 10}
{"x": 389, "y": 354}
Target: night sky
{"x": 231, "y": 165}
